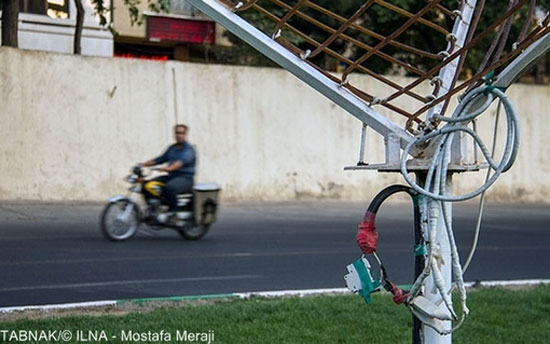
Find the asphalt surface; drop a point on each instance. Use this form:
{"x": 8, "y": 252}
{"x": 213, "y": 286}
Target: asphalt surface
{"x": 56, "y": 253}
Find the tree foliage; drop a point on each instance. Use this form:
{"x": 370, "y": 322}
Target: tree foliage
{"x": 136, "y": 18}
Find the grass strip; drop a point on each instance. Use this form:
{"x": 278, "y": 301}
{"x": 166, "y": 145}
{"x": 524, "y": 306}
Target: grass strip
{"x": 497, "y": 316}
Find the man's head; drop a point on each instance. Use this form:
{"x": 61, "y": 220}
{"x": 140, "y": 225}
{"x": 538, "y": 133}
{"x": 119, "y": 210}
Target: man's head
{"x": 180, "y": 131}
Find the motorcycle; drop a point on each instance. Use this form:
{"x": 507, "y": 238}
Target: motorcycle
{"x": 123, "y": 215}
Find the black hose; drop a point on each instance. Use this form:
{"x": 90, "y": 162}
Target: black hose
{"x": 418, "y": 237}
{"x": 387, "y": 192}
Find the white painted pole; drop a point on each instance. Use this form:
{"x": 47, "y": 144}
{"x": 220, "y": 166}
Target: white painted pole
{"x": 431, "y": 336}
{"x": 447, "y": 73}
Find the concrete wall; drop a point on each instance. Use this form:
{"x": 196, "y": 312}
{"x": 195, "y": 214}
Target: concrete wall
{"x": 71, "y": 127}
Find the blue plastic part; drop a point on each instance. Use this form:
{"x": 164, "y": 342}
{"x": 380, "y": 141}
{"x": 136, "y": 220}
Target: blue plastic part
{"x": 368, "y": 284}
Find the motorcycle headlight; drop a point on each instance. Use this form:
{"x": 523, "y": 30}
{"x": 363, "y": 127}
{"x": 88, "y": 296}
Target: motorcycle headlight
{"x": 131, "y": 178}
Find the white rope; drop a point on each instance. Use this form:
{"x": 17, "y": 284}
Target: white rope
{"x": 435, "y": 190}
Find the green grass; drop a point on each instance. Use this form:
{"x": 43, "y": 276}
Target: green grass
{"x": 497, "y": 316}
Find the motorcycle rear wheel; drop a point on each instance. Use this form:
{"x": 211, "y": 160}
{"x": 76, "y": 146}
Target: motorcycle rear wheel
{"x": 194, "y": 232}
{"x": 113, "y": 227}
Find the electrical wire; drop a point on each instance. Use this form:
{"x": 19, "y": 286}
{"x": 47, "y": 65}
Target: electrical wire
{"x": 481, "y": 205}
{"x": 441, "y": 157}
{"x": 438, "y": 195}
{"x": 482, "y": 200}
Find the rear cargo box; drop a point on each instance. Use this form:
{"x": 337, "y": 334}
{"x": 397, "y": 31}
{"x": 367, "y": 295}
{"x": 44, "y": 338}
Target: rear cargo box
{"x": 206, "y": 202}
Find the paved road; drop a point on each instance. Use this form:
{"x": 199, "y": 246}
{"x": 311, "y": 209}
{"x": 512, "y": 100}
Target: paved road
{"x": 55, "y": 254}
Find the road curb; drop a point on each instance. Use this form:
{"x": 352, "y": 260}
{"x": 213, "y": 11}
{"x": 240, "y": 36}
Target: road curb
{"x": 243, "y": 296}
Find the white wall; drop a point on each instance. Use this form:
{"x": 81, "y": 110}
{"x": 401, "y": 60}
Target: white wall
{"x": 71, "y": 127}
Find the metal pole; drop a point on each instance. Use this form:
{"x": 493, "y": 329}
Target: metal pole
{"x": 431, "y": 336}
{"x": 362, "y": 147}
{"x": 447, "y": 73}
{"x": 419, "y": 259}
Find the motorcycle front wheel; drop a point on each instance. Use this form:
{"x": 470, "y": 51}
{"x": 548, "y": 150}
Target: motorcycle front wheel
{"x": 118, "y": 223}
{"x": 194, "y": 232}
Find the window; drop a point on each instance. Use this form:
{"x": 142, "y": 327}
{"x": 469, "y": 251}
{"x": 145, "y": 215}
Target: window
{"x": 52, "y": 8}
{"x": 58, "y": 8}
{"x": 30, "y": 6}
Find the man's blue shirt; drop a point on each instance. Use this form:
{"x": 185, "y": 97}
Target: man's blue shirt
{"x": 185, "y": 154}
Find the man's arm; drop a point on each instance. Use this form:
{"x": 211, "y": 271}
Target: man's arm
{"x": 157, "y": 161}
{"x": 171, "y": 167}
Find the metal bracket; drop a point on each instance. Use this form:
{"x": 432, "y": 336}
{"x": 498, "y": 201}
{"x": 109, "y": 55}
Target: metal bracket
{"x": 393, "y": 156}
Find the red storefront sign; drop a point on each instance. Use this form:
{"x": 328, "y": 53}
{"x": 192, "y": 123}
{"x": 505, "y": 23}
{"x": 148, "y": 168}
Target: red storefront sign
{"x": 181, "y": 30}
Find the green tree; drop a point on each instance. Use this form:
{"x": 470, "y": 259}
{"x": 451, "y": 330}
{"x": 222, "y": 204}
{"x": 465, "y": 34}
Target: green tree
{"x": 133, "y": 11}
{"x": 77, "y": 49}
{"x": 378, "y": 19}
{"x": 240, "y": 53}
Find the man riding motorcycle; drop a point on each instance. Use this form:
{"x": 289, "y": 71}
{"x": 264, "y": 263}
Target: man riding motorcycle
{"x": 171, "y": 201}
{"x": 180, "y": 158}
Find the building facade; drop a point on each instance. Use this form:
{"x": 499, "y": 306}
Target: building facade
{"x": 49, "y": 25}
{"x": 183, "y": 34}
